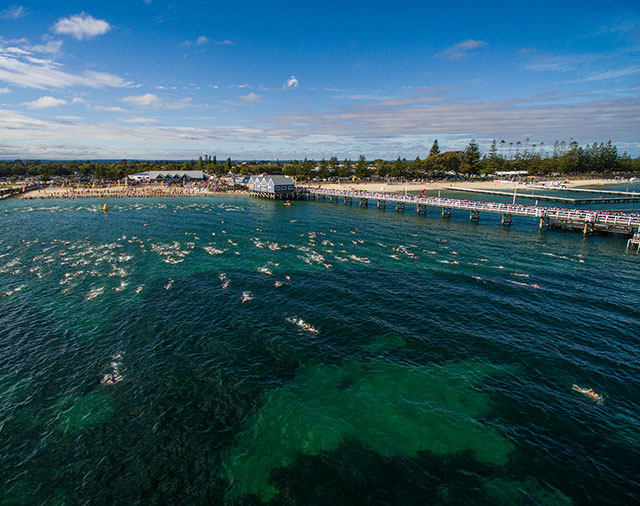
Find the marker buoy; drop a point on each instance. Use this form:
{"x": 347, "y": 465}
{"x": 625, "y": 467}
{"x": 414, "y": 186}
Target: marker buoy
{"x": 105, "y": 208}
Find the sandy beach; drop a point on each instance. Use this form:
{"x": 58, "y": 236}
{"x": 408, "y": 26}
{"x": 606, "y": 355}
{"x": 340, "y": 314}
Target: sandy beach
{"x": 117, "y": 191}
{"x": 479, "y": 185}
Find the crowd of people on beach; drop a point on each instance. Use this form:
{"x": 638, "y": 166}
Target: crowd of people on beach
{"x": 118, "y": 192}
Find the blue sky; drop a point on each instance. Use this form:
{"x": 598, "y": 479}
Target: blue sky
{"x": 162, "y": 79}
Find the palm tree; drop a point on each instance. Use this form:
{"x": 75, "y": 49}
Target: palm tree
{"x": 501, "y": 146}
{"x": 518, "y": 144}
{"x": 510, "y": 146}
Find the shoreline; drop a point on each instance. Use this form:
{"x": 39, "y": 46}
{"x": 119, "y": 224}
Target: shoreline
{"x": 123, "y": 191}
{"x": 119, "y": 191}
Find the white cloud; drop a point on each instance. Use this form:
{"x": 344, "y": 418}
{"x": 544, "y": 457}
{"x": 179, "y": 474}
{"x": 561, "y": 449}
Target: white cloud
{"x": 613, "y": 74}
{"x": 151, "y": 100}
{"x": 174, "y": 106}
{"x": 52, "y": 47}
{"x": 146, "y": 100}
{"x": 77, "y": 100}
{"x": 46, "y": 102}
{"x": 462, "y": 49}
{"x": 372, "y": 128}
{"x": 141, "y": 121}
{"x": 12, "y": 50}
{"x": 291, "y": 83}
{"x": 18, "y": 67}
{"x": 13, "y": 12}
{"x": 251, "y": 97}
{"x": 204, "y": 40}
{"x": 104, "y": 108}
{"x": 4, "y": 91}
{"x": 81, "y": 26}
{"x": 200, "y": 41}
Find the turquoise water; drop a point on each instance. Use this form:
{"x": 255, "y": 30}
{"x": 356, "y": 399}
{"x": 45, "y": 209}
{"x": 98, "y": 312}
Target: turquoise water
{"x": 235, "y": 351}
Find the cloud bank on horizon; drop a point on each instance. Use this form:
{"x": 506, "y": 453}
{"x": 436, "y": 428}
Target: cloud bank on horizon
{"x": 156, "y": 80}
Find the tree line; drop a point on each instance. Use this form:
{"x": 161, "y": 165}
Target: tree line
{"x": 561, "y": 158}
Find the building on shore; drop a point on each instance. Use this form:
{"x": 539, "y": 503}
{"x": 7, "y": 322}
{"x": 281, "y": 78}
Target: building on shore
{"x": 275, "y": 187}
{"x": 173, "y": 176}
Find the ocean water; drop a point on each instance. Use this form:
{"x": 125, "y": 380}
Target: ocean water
{"x": 237, "y": 351}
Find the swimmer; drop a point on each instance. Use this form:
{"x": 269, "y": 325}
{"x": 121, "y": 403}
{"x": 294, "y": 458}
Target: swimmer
{"x": 108, "y": 379}
{"x": 246, "y": 296}
{"x": 588, "y": 392}
{"x": 111, "y": 379}
{"x": 303, "y": 325}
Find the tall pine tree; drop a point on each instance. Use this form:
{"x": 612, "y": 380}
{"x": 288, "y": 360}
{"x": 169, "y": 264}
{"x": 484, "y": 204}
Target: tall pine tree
{"x": 435, "y": 149}
{"x": 472, "y": 157}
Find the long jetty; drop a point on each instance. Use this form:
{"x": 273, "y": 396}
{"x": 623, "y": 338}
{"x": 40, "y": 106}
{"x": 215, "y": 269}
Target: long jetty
{"x": 587, "y": 221}
{"x": 551, "y": 198}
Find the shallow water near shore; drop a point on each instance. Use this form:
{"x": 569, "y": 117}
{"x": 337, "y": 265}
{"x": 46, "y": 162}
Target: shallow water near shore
{"x": 228, "y": 350}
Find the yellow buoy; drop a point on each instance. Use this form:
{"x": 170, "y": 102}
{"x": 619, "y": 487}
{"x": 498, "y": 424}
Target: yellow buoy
{"x": 105, "y": 208}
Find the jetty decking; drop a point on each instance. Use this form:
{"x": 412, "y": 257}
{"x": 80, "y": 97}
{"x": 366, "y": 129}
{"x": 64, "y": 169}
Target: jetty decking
{"x": 551, "y": 198}
{"x": 587, "y": 221}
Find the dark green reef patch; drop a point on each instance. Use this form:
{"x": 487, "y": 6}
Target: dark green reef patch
{"x": 396, "y": 410}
